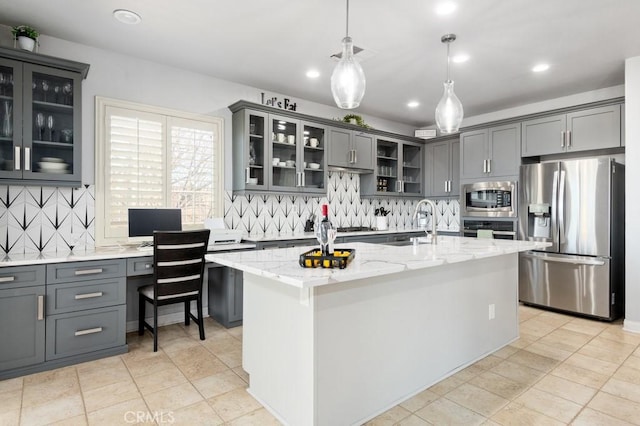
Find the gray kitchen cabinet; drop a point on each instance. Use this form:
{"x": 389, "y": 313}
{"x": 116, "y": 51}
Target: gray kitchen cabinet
{"x": 594, "y": 128}
{"x": 40, "y": 136}
{"x": 442, "y": 169}
{"x": 225, "y": 295}
{"x": 398, "y": 170}
{"x": 490, "y": 153}
{"x": 86, "y": 309}
{"x": 277, "y": 153}
{"x": 351, "y": 149}
{"x": 22, "y": 299}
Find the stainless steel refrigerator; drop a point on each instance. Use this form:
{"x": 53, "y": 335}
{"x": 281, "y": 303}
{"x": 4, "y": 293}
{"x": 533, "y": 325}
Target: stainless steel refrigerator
{"x": 577, "y": 206}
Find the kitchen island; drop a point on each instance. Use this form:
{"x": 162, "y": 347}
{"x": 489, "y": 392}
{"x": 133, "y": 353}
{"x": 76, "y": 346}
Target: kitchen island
{"x": 334, "y": 347}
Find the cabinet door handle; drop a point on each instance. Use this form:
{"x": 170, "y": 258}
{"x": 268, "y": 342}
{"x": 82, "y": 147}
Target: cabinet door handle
{"x": 355, "y": 156}
{"x": 562, "y": 139}
{"x": 568, "y": 138}
{"x": 88, "y": 295}
{"x": 489, "y": 165}
{"x": 351, "y": 157}
{"x": 27, "y": 158}
{"x": 147, "y": 266}
{"x": 88, "y": 331}
{"x": 247, "y": 175}
{"x": 88, "y": 271}
{"x": 484, "y": 166}
{"x": 445, "y": 185}
{"x": 16, "y": 155}
{"x": 304, "y": 179}
{"x": 7, "y": 279}
{"x": 402, "y": 185}
{"x": 40, "y": 308}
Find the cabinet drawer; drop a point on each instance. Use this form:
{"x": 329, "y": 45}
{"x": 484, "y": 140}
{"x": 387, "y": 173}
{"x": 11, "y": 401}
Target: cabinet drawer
{"x": 140, "y": 266}
{"x": 69, "y": 297}
{"x": 86, "y": 331}
{"x": 22, "y": 276}
{"x": 82, "y": 271}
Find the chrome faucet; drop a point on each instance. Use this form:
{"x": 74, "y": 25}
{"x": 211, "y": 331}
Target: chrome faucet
{"x": 434, "y": 229}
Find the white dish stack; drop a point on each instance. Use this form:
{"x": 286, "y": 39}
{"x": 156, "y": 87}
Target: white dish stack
{"x": 53, "y": 165}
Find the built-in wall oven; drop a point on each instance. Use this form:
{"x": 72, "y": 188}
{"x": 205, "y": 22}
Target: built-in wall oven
{"x": 489, "y": 199}
{"x": 498, "y": 229}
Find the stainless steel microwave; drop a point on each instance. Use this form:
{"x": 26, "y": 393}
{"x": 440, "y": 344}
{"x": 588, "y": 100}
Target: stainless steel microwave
{"x": 489, "y": 199}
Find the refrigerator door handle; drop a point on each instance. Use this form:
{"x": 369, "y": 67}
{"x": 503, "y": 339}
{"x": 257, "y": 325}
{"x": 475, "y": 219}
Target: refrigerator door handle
{"x": 596, "y": 261}
{"x": 561, "y": 209}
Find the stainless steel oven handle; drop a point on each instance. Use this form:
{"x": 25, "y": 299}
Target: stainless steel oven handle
{"x": 574, "y": 261}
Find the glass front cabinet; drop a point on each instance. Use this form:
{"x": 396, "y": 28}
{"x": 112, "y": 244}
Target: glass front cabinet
{"x": 398, "y": 169}
{"x": 276, "y": 153}
{"x": 40, "y": 119}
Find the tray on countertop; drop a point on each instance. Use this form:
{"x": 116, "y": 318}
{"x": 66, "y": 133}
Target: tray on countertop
{"x": 339, "y": 259}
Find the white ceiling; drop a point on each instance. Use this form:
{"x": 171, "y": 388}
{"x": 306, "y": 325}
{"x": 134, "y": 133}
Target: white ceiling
{"x": 270, "y": 44}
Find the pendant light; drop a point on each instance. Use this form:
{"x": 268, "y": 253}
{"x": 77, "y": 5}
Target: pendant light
{"x": 449, "y": 112}
{"x": 347, "y": 81}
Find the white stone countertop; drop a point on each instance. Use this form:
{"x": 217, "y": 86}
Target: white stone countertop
{"x": 100, "y": 253}
{"x": 305, "y": 235}
{"x": 370, "y": 259}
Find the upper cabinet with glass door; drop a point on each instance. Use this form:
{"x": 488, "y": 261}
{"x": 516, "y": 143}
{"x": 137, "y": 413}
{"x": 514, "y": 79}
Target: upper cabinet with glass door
{"x": 40, "y": 136}
{"x": 398, "y": 169}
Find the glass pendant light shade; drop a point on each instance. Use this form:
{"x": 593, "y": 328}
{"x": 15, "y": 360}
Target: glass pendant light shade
{"x": 449, "y": 112}
{"x": 347, "y": 81}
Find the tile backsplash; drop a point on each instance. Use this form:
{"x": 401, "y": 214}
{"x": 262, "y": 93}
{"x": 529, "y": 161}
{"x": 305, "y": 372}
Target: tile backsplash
{"x": 259, "y": 215}
{"x": 47, "y": 219}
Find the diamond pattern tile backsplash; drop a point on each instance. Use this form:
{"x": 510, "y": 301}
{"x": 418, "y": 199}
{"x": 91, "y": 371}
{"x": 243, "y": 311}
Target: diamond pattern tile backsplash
{"x": 259, "y": 215}
{"x": 47, "y": 219}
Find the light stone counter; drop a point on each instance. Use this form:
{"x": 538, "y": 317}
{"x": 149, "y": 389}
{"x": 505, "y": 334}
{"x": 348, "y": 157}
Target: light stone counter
{"x": 100, "y": 253}
{"x": 306, "y": 235}
{"x": 370, "y": 260}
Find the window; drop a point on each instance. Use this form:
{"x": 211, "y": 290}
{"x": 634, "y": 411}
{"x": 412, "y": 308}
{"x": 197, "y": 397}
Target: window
{"x": 152, "y": 157}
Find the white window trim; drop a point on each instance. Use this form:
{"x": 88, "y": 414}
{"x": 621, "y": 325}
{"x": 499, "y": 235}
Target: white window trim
{"x": 101, "y": 104}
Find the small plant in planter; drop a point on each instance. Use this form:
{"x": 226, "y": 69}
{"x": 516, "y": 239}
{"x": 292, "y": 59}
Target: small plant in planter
{"x": 26, "y": 37}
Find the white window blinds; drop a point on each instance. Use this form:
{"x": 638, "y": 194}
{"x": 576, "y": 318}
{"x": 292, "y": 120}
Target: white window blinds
{"x": 155, "y": 159}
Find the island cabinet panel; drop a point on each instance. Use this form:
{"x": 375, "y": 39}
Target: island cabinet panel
{"x": 442, "y": 169}
{"x": 589, "y": 129}
{"x": 22, "y": 333}
{"x": 225, "y": 295}
{"x": 309, "y": 350}
{"x": 490, "y": 153}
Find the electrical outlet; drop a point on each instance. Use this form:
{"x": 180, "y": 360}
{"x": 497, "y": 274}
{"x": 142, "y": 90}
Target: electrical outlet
{"x": 492, "y": 311}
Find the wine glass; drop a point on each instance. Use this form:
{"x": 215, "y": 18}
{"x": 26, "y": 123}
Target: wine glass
{"x": 40, "y": 123}
{"x": 66, "y": 90}
{"x": 56, "y": 94}
{"x": 45, "y": 89}
{"x": 50, "y": 123}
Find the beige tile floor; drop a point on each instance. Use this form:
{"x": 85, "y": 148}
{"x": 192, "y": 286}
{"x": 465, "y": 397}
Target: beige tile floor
{"x": 562, "y": 370}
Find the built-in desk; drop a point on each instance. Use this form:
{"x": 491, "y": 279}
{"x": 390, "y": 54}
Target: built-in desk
{"x": 59, "y": 309}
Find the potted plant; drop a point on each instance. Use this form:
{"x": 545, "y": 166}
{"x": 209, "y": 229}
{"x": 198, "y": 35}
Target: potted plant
{"x": 25, "y": 36}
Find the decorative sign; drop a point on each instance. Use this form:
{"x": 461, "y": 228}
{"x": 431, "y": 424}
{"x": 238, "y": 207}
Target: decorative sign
{"x": 274, "y": 101}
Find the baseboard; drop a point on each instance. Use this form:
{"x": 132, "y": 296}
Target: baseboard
{"x": 632, "y": 326}
{"x": 166, "y": 319}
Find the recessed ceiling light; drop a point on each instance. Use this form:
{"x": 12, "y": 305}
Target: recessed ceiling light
{"x": 313, "y": 74}
{"x": 540, "y": 68}
{"x": 413, "y": 104}
{"x": 127, "y": 16}
{"x": 458, "y": 59}
{"x": 446, "y": 8}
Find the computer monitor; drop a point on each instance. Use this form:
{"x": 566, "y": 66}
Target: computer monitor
{"x": 142, "y": 222}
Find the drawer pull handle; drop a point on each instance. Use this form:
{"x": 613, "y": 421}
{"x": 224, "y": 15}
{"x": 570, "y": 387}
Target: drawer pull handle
{"x": 40, "y": 308}
{"x": 88, "y": 295}
{"x": 88, "y": 331}
{"x": 147, "y": 266}
{"x": 7, "y": 279}
{"x": 88, "y": 271}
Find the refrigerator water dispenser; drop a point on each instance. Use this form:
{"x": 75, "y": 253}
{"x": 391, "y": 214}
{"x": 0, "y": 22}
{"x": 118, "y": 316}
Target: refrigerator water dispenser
{"x": 539, "y": 220}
